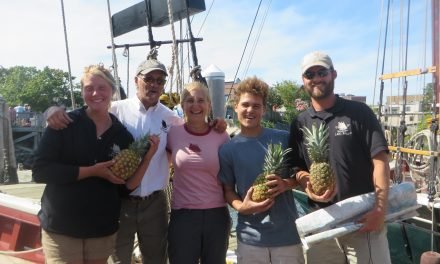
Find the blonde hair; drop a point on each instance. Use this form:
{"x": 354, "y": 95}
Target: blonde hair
{"x": 191, "y": 87}
{"x": 254, "y": 86}
{"x": 101, "y": 71}
{"x": 194, "y": 86}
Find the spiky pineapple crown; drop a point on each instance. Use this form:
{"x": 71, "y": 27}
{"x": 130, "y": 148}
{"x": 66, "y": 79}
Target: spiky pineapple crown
{"x": 141, "y": 145}
{"x": 274, "y": 159}
{"x": 317, "y": 144}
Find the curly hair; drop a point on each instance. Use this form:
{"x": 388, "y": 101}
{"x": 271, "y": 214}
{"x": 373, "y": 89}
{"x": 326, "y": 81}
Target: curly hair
{"x": 101, "y": 71}
{"x": 254, "y": 86}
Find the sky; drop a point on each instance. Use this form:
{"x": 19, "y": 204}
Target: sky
{"x": 350, "y": 31}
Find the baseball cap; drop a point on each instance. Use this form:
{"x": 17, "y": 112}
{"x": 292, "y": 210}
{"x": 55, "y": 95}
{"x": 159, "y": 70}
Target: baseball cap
{"x": 316, "y": 58}
{"x": 150, "y": 65}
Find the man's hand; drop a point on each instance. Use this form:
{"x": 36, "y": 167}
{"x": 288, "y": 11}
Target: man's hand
{"x": 57, "y": 118}
{"x": 250, "y": 207}
{"x": 154, "y": 144}
{"x": 324, "y": 198}
{"x": 219, "y": 125}
{"x": 372, "y": 220}
{"x": 276, "y": 185}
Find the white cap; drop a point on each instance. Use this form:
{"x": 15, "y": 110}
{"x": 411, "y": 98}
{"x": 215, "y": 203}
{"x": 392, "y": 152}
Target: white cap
{"x": 316, "y": 58}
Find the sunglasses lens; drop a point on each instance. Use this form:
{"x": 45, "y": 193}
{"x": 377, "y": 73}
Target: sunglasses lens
{"x": 151, "y": 80}
{"x": 321, "y": 73}
{"x": 309, "y": 75}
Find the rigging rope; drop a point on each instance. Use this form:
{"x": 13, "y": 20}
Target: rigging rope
{"x": 72, "y": 97}
{"x": 254, "y": 46}
{"x": 14, "y": 253}
{"x": 204, "y": 20}
{"x": 175, "y": 54}
{"x": 186, "y": 59}
{"x": 244, "y": 50}
{"x": 383, "y": 63}
{"x": 378, "y": 53}
{"x": 402, "y": 128}
{"x": 115, "y": 62}
{"x": 392, "y": 56}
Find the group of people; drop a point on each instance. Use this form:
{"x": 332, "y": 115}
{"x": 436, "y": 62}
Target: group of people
{"x": 20, "y": 113}
{"x": 89, "y": 214}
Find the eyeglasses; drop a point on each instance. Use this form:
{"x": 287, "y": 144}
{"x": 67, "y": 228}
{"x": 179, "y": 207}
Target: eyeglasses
{"x": 309, "y": 75}
{"x": 151, "y": 80}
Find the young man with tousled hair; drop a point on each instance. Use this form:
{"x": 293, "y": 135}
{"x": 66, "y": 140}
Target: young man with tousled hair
{"x": 266, "y": 230}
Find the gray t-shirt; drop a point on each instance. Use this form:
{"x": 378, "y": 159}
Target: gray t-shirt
{"x": 241, "y": 161}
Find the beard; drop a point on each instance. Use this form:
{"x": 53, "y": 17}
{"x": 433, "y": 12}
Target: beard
{"x": 322, "y": 92}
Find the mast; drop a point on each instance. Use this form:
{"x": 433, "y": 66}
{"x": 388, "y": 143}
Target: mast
{"x": 436, "y": 89}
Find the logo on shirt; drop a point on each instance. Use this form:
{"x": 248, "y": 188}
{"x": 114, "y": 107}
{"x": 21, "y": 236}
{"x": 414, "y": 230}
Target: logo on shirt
{"x": 164, "y": 127}
{"x": 194, "y": 147}
{"x": 343, "y": 129}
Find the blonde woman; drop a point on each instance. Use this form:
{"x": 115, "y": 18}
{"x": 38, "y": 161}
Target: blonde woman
{"x": 81, "y": 201}
{"x": 199, "y": 222}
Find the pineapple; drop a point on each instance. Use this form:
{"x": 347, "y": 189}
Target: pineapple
{"x": 273, "y": 163}
{"x": 128, "y": 160}
{"x": 322, "y": 177}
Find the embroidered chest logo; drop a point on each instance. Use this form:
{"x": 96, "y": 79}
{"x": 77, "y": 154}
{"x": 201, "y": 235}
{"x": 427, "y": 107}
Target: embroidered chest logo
{"x": 343, "y": 129}
{"x": 194, "y": 147}
{"x": 164, "y": 127}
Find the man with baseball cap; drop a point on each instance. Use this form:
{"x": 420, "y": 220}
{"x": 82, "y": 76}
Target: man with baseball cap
{"x": 358, "y": 158}
{"x": 144, "y": 211}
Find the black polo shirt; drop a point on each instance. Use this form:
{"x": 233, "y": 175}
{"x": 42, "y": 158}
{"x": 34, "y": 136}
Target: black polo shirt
{"x": 355, "y": 136}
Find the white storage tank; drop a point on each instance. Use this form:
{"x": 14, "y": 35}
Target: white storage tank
{"x": 215, "y": 79}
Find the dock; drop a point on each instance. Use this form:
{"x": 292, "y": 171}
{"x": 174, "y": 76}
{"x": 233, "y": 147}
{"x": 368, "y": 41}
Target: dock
{"x": 20, "y": 241}
{"x": 33, "y": 191}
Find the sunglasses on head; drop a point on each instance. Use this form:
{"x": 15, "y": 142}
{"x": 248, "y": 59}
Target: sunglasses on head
{"x": 309, "y": 75}
{"x": 151, "y": 80}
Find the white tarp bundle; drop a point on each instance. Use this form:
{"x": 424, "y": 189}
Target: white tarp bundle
{"x": 8, "y": 164}
{"x": 341, "y": 218}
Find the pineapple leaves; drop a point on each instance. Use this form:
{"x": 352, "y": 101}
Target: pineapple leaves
{"x": 274, "y": 159}
{"x": 317, "y": 142}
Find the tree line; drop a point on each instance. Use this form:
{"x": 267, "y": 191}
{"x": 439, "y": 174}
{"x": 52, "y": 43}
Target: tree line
{"x": 41, "y": 89}
{"x": 21, "y": 85}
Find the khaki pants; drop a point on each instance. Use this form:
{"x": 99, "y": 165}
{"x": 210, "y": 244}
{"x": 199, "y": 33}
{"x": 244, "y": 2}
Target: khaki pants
{"x": 354, "y": 248}
{"x": 65, "y": 249}
{"x": 247, "y": 254}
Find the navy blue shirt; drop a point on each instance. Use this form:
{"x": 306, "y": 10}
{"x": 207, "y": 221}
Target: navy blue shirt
{"x": 86, "y": 208}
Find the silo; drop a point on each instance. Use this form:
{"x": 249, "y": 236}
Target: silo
{"x": 215, "y": 79}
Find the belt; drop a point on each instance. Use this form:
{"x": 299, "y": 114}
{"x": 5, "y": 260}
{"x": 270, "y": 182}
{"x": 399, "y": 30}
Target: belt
{"x": 143, "y": 198}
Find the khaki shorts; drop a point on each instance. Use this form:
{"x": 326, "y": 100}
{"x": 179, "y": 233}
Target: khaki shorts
{"x": 247, "y": 254}
{"x": 65, "y": 249}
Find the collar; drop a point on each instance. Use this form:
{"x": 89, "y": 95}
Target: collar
{"x": 327, "y": 113}
{"x": 142, "y": 108}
